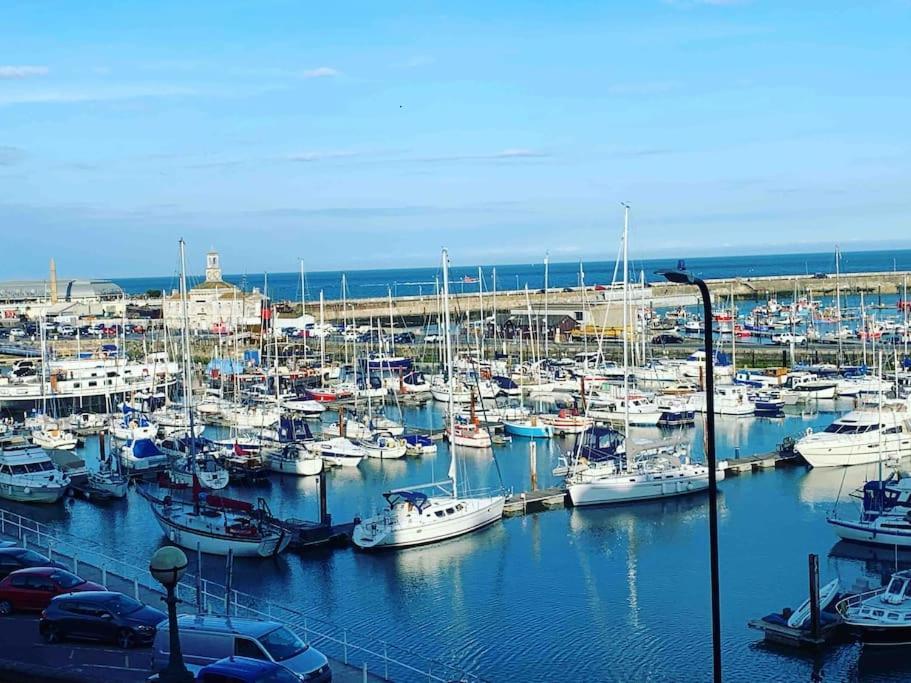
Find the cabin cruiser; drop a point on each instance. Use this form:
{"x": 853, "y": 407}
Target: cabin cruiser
{"x": 27, "y": 474}
{"x": 855, "y": 386}
{"x": 83, "y": 424}
{"x": 675, "y": 412}
{"x": 52, "y": 437}
{"x": 348, "y": 427}
{"x": 338, "y": 451}
{"x": 806, "y": 385}
{"x": 694, "y": 366}
{"x": 730, "y": 399}
{"x": 441, "y": 388}
{"x": 762, "y": 379}
{"x": 642, "y": 410}
{"x": 860, "y": 437}
{"x": 881, "y": 617}
{"x": 884, "y": 518}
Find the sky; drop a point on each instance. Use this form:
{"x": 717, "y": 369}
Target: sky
{"x": 371, "y": 134}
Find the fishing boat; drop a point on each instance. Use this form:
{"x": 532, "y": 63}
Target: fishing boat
{"x": 567, "y": 421}
{"x": 415, "y": 517}
{"x": 27, "y": 474}
{"x": 83, "y": 424}
{"x": 384, "y": 445}
{"x": 807, "y": 386}
{"x": 860, "y": 437}
{"x": 295, "y": 458}
{"x": 338, "y": 451}
{"x": 881, "y": 617}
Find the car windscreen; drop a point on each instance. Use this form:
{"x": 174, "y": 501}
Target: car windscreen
{"x": 121, "y": 604}
{"x": 31, "y": 557}
{"x": 282, "y": 644}
{"x": 66, "y": 580}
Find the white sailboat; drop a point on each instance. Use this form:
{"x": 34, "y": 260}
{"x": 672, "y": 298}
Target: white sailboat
{"x": 641, "y": 472}
{"x": 414, "y": 517}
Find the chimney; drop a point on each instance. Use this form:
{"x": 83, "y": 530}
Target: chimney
{"x": 53, "y": 282}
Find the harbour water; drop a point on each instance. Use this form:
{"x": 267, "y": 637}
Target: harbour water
{"x": 604, "y": 594}
{"x": 416, "y": 281}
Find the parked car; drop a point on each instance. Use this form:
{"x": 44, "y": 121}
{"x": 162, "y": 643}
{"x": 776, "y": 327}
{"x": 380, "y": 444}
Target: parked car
{"x": 567, "y": 289}
{"x": 16, "y": 333}
{"x": 13, "y": 559}
{"x": 404, "y": 338}
{"x": 32, "y": 589}
{"x": 206, "y": 639}
{"x": 246, "y": 670}
{"x": 66, "y": 330}
{"x": 600, "y": 288}
{"x": 100, "y": 615}
{"x": 432, "y": 338}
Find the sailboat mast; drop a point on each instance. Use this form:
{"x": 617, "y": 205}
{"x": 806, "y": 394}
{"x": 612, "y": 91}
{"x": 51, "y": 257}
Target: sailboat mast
{"x": 481, "y": 316}
{"x": 391, "y": 325}
{"x": 304, "y": 307}
{"x": 838, "y": 301}
{"x": 322, "y": 334}
{"x": 625, "y": 331}
{"x": 546, "y": 287}
{"x": 187, "y": 386}
{"x": 453, "y": 469}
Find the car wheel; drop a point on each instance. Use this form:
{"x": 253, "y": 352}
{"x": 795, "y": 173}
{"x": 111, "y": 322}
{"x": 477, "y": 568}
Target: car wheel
{"x": 6, "y": 608}
{"x": 51, "y": 634}
{"x": 125, "y": 638}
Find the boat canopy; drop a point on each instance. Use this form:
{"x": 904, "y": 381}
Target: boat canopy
{"x": 601, "y": 443}
{"x": 143, "y": 448}
{"x": 293, "y": 429}
{"x": 418, "y": 440}
{"x": 416, "y": 498}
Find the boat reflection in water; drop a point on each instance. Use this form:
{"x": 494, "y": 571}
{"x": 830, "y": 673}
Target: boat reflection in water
{"x": 822, "y": 485}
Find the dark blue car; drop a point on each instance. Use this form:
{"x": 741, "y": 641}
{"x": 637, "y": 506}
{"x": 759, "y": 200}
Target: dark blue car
{"x": 246, "y": 670}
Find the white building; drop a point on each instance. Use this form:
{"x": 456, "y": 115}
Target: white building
{"x": 214, "y": 305}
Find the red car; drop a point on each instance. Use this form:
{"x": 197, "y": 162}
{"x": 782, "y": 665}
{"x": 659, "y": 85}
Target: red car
{"x": 32, "y": 589}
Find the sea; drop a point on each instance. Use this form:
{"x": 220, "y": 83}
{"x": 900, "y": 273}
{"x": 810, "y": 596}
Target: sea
{"x": 618, "y": 593}
{"x": 362, "y": 284}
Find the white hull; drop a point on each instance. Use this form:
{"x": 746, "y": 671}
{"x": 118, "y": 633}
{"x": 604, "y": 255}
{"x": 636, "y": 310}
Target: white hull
{"x": 302, "y": 467}
{"x": 31, "y": 494}
{"x": 868, "y": 533}
{"x": 62, "y": 441}
{"x": 830, "y": 453}
{"x": 209, "y": 540}
{"x": 626, "y": 488}
{"x": 416, "y": 529}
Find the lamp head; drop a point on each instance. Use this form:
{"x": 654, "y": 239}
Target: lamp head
{"x": 168, "y": 565}
{"x": 677, "y": 276}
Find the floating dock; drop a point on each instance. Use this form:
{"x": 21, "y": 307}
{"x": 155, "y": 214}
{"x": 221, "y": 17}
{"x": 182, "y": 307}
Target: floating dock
{"x": 529, "y": 502}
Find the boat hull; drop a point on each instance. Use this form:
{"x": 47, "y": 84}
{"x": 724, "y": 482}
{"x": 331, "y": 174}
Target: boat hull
{"x": 218, "y": 544}
{"x": 622, "y": 490}
{"x": 487, "y": 511}
{"x": 31, "y": 494}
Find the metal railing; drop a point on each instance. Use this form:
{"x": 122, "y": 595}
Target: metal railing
{"x": 367, "y": 653}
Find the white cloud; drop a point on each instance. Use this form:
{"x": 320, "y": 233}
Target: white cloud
{"x": 320, "y": 156}
{"x": 10, "y": 71}
{"x": 321, "y": 72}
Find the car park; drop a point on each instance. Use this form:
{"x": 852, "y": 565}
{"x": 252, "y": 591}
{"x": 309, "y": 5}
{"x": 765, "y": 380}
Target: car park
{"x": 100, "y": 615}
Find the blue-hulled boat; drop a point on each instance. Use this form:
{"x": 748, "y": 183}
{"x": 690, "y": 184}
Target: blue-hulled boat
{"x": 531, "y": 427}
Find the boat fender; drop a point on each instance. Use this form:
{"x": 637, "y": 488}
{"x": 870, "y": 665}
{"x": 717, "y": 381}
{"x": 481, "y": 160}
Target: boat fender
{"x": 809, "y": 431}
{"x": 27, "y": 490}
{"x": 172, "y": 535}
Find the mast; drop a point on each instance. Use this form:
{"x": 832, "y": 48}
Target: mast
{"x": 584, "y": 323}
{"x": 345, "y": 317}
{"x": 733, "y": 331}
{"x": 838, "y": 301}
{"x": 453, "y": 469}
{"x": 304, "y": 307}
{"x": 322, "y": 335}
{"x": 904, "y": 316}
{"x": 187, "y": 387}
{"x": 391, "y": 325}
{"x": 626, "y": 448}
{"x": 494, "y": 286}
{"x": 481, "y": 316}
{"x": 546, "y": 319}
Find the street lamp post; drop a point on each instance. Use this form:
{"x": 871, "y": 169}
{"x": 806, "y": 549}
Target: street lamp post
{"x": 167, "y": 566}
{"x": 684, "y": 278}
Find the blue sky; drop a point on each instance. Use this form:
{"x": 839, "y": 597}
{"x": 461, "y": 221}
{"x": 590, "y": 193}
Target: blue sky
{"x": 370, "y": 134}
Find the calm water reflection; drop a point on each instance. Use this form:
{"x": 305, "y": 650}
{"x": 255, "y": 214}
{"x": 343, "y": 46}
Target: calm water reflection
{"x": 615, "y": 593}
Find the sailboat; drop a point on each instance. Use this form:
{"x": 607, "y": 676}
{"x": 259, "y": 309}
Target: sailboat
{"x": 640, "y": 471}
{"x": 435, "y": 511}
{"x": 213, "y": 524}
